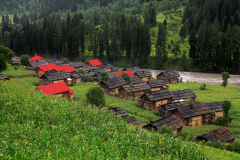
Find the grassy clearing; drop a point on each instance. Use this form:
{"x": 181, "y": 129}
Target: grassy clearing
{"x": 34, "y": 126}
{"x": 19, "y": 73}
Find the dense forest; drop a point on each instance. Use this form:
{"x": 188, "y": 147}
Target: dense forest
{"x": 112, "y": 29}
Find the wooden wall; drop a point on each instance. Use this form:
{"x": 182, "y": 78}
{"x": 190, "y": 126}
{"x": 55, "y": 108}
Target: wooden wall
{"x": 197, "y": 121}
{"x": 145, "y": 79}
{"x": 173, "y": 80}
{"x": 155, "y": 89}
{"x": 219, "y": 114}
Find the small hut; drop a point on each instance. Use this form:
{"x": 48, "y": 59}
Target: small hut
{"x": 133, "y": 121}
{"x": 133, "y": 91}
{"x": 76, "y": 78}
{"x": 144, "y": 75}
{"x": 184, "y": 95}
{"x": 217, "y": 108}
{"x": 168, "y": 109}
{"x": 59, "y": 89}
{"x": 94, "y": 62}
{"x": 132, "y": 69}
{"x": 170, "y": 120}
{"x": 107, "y": 67}
{"x": 34, "y": 65}
{"x": 16, "y": 63}
{"x": 170, "y": 76}
{"x": 194, "y": 115}
{"x": 152, "y": 100}
{"x": 112, "y": 85}
{"x": 3, "y": 77}
{"x": 55, "y": 77}
{"x": 118, "y": 111}
{"x": 157, "y": 85}
{"x": 224, "y": 135}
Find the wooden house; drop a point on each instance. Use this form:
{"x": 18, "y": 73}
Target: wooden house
{"x": 76, "y": 78}
{"x": 135, "y": 80}
{"x": 59, "y": 89}
{"x": 144, "y": 75}
{"x": 107, "y": 67}
{"x": 118, "y": 111}
{"x": 168, "y": 109}
{"x": 34, "y": 65}
{"x": 152, "y": 100}
{"x": 36, "y": 58}
{"x": 77, "y": 65}
{"x": 170, "y": 120}
{"x": 132, "y": 69}
{"x": 133, "y": 91}
{"x": 3, "y": 77}
{"x": 55, "y": 61}
{"x": 217, "y": 108}
{"x": 133, "y": 121}
{"x": 112, "y": 85}
{"x": 127, "y": 71}
{"x": 184, "y": 94}
{"x": 55, "y": 77}
{"x": 97, "y": 77}
{"x": 52, "y": 66}
{"x": 94, "y": 62}
{"x": 194, "y": 115}
{"x": 157, "y": 85}
{"x": 170, "y": 76}
{"x": 224, "y": 135}
{"x": 16, "y": 63}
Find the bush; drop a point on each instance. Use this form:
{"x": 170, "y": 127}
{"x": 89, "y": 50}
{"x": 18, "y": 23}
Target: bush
{"x": 3, "y": 62}
{"x": 24, "y": 59}
{"x": 95, "y": 96}
{"x": 166, "y": 129}
{"x": 235, "y": 146}
{"x": 213, "y": 113}
{"x": 87, "y": 78}
{"x": 104, "y": 76}
{"x": 181, "y": 80}
{"x": 82, "y": 57}
{"x": 203, "y": 86}
{"x": 5, "y": 51}
{"x": 15, "y": 68}
{"x": 10, "y": 56}
{"x": 126, "y": 77}
{"x": 190, "y": 101}
{"x": 225, "y": 76}
{"x": 221, "y": 121}
{"x": 81, "y": 70}
{"x": 65, "y": 60}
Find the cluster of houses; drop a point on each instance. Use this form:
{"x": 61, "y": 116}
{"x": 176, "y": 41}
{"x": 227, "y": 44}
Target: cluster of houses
{"x": 55, "y": 78}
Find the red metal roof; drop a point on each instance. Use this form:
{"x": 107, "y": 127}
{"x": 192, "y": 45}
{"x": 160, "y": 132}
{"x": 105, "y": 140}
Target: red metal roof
{"x": 95, "y": 62}
{"x": 66, "y": 68}
{"x": 48, "y": 67}
{"x": 55, "y": 88}
{"x": 36, "y": 58}
{"x": 127, "y": 71}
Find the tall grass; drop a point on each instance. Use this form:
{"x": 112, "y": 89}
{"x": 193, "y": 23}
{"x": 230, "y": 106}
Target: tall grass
{"x": 34, "y": 126}
{"x": 19, "y": 73}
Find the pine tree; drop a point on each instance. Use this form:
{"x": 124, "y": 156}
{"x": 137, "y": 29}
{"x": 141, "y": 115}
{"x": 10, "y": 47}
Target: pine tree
{"x": 101, "y": 43}
{"x": 192, "y": 43}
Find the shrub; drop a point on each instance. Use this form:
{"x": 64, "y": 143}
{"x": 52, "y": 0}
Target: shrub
{"x": 3, "y": 62}
{"x": 24, "y": 59}
{"x": 5, "y": 51}
{"x": 15, "y": 68}
{"x": 190, "y": 101}
{"x": 10, "y": 55}
{"x": 126, "y": 77}
{"x": 226, "y": 105}
{"x": 87, "y": 78}
{"x": 65, "y": 60}
{"x": 95, "y": 96}
{"x": 235, "y": 146}
{"x": 225, "y": 76}
{"x": 213, "y": 113}
{"x": 203, "y": 86}
{"x": 181, "y": 80}
{"x": 221, "y": 121}
{"x": 166, "y": 129}
{"x": 104, "y": 76}
{"x": 81, "y": 70}
{"x": 83, "y": 57}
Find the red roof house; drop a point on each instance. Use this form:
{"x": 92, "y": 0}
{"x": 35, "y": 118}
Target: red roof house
{"x": 35, "y": 58}
{"x": 58, "y": 89}
{"x": 94, "y": 62}
{"x": 48, "y": 67}
{"x": 127, "y": 71}
{"x": 66, "y": 68}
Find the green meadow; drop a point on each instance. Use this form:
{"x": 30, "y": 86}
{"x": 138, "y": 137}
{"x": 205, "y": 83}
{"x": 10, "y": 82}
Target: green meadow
{"x": 20, "y": 72}
{"x": 35, "y": 126}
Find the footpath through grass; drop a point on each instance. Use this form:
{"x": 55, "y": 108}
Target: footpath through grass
{"x": 34, "y": 126}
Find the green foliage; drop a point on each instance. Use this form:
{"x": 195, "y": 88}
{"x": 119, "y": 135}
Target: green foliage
{"x": 95, "y": 96}
{"x": 190, "y": 101}
{"x": 185, "y": 136}
{"x": 24, "y": 59}
{"x": 226, "y": 106}
{"x": 3, "y": 63}
{"x": 126, "y": 77}
{"x": 10, "y": 55}
{"x": 87, "y": 78}
{"x": 213, "y": 113}
{"x": 225, "y": 76}
{"x": 221, "y": 121}
{"x": 19, "y": 73}
{"x": 65, "y": 60}
{"x": 104, "y": 76}
{"x": 81, "y": 70}
{"x": 166, "y": 129}
{"x": 203, "y": 86}
{"x": 15, "y": 67}
{"x": 83, "y": 57}
{"x": 181, "y": 80}
{"x": 5, "y": 51}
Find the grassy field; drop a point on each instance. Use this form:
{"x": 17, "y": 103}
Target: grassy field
{"x": 34, "y": 126}
{"x": 19, "y": 73}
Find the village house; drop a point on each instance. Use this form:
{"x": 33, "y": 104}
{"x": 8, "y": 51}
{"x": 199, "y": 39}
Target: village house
{"x": 184, "y": 95}
{"x": 112, "y": 85}
{"x": 94, "y": 62}
{"x": 97, "y": 77}
{"x": 76, "y": 78}
{"x": 144, "y": 75}
{"x": 170, "y": 121}
{"x": 135, "y": 80}
{"x": 133, "y": 121}
{"x": 126, "y": 71}
{"x": 3, "y": 77}
{"x": 118, "y": 111}
{"x": 42, "y": 69}
{"x": 157, "y": 85}
{"x": 58, "y": 89}
{"x": 55, "y": 61}
{"x": 133, "y": 91}
{"x": 16, "y": 63}
{"x": 224, "y": 135}
{"x": 34, "y": 65}
{"x": 36, "y": 58}
{"x": 152, "y": 100}
{"x": 107, "y": 67}
{"x": 217, "y": 108}
{"x": 168, "y": 109}
{"x": 55, "y": 77}
{"x": 170, "y": 76}
{"x": 77, "y": 65}
{"x": 194, "y": 115}
{"x": 132, "y": 69}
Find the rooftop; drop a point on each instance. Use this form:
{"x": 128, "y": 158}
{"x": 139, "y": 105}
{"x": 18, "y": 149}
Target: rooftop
{"x": 95, "y": 62}
{"x": 170, "y": 74}
{"x": 156, "y": 84}
{"x": 159, "y": 95}
{"x": 126, "y": 71}
{"x": 184, "y": 94}
{"x": 55, "y": 88}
